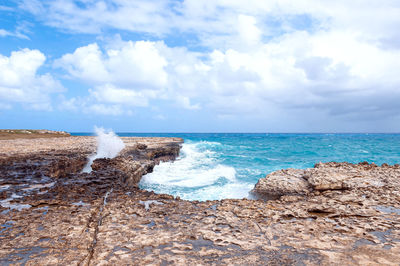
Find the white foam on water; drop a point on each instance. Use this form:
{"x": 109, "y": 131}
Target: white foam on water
{"x": 108, "y": 146}
{"x": 237, "y": 190}
{"x": 208, "y": 143}
{"x": 198, "y": 174}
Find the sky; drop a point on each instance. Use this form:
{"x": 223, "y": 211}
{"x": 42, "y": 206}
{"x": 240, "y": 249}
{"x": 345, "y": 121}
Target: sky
{"x": 200, "y": 66}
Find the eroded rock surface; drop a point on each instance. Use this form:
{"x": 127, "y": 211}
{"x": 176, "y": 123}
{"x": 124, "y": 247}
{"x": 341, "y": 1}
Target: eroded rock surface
{"x": 50, "y": 213}
{"x": 328, "y": 176}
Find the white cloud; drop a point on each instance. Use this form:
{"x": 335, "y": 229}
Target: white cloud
{"x": 72, "y": 104}
{"x": 255, "y": 57}
{"x": 90, "y": 106}
{"x": 20, "y": 83}
{"x": 297, "y": 70}
{"x": 21, "y": 30}
{"x": 248, "y": 30}
{"x": 185, "y": 103}
{"x": 103, "y": 109}
{"x": 85, "y": 63}
{"x": 4, "y": 33}
{"x": 125, "y": 75}
{"x": 214, "y": 21}
{"x": 18, "y": 34}
{"x": 134, "y": 65}
{"x": 93, "y": 16}
{"x": 110, "y": 94}
{"x": 305, "y": 70}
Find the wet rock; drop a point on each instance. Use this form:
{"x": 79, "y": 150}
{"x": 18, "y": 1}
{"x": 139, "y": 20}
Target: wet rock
{"x": 125, "y": 169}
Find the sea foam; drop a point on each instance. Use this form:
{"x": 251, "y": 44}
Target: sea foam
{"x": 197, "y": 174}
{"x": 108, "y": 146}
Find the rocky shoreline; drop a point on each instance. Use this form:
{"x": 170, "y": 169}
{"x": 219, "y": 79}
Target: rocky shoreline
{"x": 51, "y": 213}
{"x": 31, "y": 134}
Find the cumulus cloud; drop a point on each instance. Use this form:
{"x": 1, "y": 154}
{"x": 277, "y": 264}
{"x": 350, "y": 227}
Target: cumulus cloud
{"x": 20, "y": 82}
{"x": 305, "y": 70}
{"x": 133, "y": 64}
{"x": 297, "y": 70}
{"x": 261, "y": 58}
{"x": 126, "y": 75}
{"x": 248, "y": 30}
{"x": 110, "y": 94}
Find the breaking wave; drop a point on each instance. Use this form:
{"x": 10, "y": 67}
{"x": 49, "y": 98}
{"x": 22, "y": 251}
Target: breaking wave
{"x": 108, "y": 146}
{"x": 197, "y": 174}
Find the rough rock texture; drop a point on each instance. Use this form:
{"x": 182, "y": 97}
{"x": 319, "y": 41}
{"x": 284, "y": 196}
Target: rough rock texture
{"x": 50, "y": 213}
{"x": 282, "y": 182}
{"x": 327, "y": 176}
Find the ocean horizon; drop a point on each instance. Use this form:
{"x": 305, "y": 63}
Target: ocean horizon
{"x": 214, "y": 166}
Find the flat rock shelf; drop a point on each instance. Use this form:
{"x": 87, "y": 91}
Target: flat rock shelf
{"x": 52, "y": 213}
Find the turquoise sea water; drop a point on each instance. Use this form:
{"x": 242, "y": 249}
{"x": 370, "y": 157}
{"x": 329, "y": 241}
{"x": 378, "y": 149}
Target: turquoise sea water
{"x": 217, "y": 166}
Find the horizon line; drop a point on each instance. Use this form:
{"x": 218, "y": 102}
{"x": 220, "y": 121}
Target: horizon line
{"x": 132, "y": 132}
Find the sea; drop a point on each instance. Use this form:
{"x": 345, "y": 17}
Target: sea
{"x": 216, "y": 166}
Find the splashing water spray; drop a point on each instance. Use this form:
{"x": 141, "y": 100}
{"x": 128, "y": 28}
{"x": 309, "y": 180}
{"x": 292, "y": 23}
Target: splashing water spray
{"x": 108, "y": 146}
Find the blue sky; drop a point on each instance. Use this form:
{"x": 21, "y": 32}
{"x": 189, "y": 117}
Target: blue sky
{"x": 200, "y": 66}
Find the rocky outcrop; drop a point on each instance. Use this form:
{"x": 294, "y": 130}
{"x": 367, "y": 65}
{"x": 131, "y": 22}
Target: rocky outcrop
{"x": 282, "y": 182}
{"x": 327, "y": 176}
{"x": 52, "y": 214}
{"x": 137, "y": 160}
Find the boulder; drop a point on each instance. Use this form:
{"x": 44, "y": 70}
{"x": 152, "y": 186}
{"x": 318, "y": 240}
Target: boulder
{"x": 324, "y": 177}
{"x": 282, "y": 182}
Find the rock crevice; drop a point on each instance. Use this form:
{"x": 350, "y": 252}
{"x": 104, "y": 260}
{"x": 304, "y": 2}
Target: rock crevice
{"x": 97, "y": 223}
{"x": 333, "y": 213}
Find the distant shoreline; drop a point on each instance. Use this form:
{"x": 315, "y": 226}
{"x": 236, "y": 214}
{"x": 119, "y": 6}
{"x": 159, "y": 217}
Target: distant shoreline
{"x": 31, "y": 134}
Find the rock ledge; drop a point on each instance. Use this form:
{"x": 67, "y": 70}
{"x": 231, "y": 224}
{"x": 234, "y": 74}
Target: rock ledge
{"x": 326, "y": 176}
{"x": 52, "y": 214}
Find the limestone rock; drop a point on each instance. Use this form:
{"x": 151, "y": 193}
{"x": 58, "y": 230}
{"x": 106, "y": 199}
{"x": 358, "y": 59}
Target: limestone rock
{"x": 325, "y": 177}
{"x": 100, "y": 218}
{"x": 282, "y": 182}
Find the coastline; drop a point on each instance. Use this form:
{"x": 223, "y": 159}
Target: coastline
{"x": 31, "y": 134}
{"x": 103, "y": 217}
